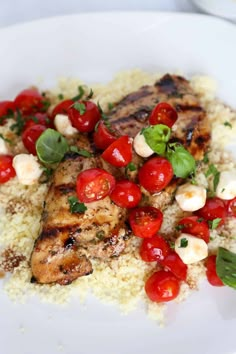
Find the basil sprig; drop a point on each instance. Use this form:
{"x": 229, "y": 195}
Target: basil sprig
{"x": 226, "y": 267}
{"x": 51, "y": 147}
{"x": 156, "y": 137}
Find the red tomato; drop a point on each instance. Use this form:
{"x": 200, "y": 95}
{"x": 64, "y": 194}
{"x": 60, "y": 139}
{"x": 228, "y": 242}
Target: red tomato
{"x": 29, "y": 101}
{"x": 103, "y": 137}
{"x": 211, "y": 274}
{"x": 31, "y": 135}
{"x": 126, "y": 194}
{"x": 174, "y": 264}
{"x": 163, "y": 113}
{"x": 214, "y": 208}
{"x": 154, "y": 249}
{"x": 6, "y": 107}
{"x": 155, "y": 174}
{"x": 85, "y": 119}
{"x": 231, "y": 207}
{"x": 145, "y": 221}
{"x": 62, "y": 108}
{"x": 39, "y": 118}
{"x": 162, "y": 286}
{"x": 195, "y": 226}
{"x": 94, "y": 184}
{"x": 6, "y": 169}
{"x": 119, "y": 153}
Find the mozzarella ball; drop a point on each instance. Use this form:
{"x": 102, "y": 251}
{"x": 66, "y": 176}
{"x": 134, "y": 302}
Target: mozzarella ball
{"x": 27, "y": 168}
{"x": 191, "y": 249}
{"x": 191, "y": 197}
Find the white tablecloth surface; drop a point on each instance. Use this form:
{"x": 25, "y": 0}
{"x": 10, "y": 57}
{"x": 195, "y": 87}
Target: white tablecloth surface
{"x": 16, "y": 11}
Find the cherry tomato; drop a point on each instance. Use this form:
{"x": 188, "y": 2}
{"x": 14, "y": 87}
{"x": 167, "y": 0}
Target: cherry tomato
{"x": 86, "y": 118}
{"x": 103, "y": 137}
{"x": 126, "y": 194}
{"x": 29, "y": 101}
{"x": 6, "y": 169}
{"x": 62, "y": 108}
{"x": 231, "y": 207}
{"x": 94, "y": 184}
{"x": 214, "y": 208}
{"x": 211, "y": 274}
{"x": 163, "y": 113}
{"x": 31, "y": 135}
{"x": 162, "y": 286}
{"x": 145, "y": 221}
{"x": 6, "y": 107}
{"x": 119, "y": 153}
{"x": 174, "y": 264}
{"x": 195, "y": 226}
{"x": 155, "y": 174}
{"x": 39, "y": 118}
{"x": 154, "y": 249}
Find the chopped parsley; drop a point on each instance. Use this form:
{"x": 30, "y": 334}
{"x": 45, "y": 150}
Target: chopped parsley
{"x": 104, "y": 117}
{"x": 131, "y": 167}
{"x": 19, "y": 124}
{"x": 213, "y": 224}
{"x": 110, "y": 106}
{"x": 80, "y": 94}
{"x": 5, "y": 139}
{"x": 228, "y": 124}
{"x": 183, "y": 243}
{"x": 76, "y": 206}
{"x": 80, "y": 107}
{"x": 179, "y": 227}
{"x": 90, "y": 95}
{"x": 60, "y": 96}
{"x": 81, "y": 152}
{"x": 212, "y": 170}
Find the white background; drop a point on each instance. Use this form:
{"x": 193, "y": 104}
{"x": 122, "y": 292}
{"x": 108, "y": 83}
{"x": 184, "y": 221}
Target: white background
{"x": 15, "y": 11}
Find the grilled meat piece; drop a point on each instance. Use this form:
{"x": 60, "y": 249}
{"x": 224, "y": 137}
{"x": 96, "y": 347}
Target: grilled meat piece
{"x": 192, "y": 128}
{"x": 67, "y": 241}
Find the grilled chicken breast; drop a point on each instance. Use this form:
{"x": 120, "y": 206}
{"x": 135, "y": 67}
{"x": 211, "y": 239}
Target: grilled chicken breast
{"x": 67, "y": 241}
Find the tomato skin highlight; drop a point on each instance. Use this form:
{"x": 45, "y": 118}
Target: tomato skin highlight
{"x": 31, "y": 135}
{"x": 214, "y": 208}
{"x": 211, "y": 274}
{"x": 231, "y": 207}
{"x": 145, "y": 222}
{"x": 119, "y": 153}
{"x": 102, "y": 137}
{"x": 6, "y": 168}
{"x": 162, "y": 286}
{"x": 163, "y": 113}
{"x": 29, "y": 101}
{"x": 62, "y": 108}
{"x": 126, "y": 194}
{"x": 154, "y": 249}
{"x": 94, "y": 184}
{"x": 195, "y": 226}
{"x": 155, "y": 174}
{"x": 174, "y": 264}
{"x": 85, "y": 122}
{"x": 6, "y": 107}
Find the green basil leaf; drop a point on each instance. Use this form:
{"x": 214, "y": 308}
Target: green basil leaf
{"x": 226, "y": 267}
{"x": 182, "y": 161}
{"x": 213, "y": 224}
{"x": 81, "y": 152}
{"x": 51, "y": 146}
{"x": 76, "y": 206}
{"x": 156, "y": 137}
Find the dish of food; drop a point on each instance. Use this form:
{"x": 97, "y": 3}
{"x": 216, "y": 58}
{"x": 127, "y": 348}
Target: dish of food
{"x": 81, "y": 210}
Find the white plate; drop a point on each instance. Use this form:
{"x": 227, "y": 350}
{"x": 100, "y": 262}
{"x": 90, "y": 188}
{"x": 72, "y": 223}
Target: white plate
{"x": 94, "y": 47}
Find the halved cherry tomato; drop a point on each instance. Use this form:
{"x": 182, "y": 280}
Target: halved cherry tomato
{"x": 29, "y": 101}
{"x": 6, "y": 107}
{"x": 211, "y": 274}
{"x": 119, "y": 153}
{"x": 154, "y": 249}
{"x": 174, "y": 264}
{"x": 214, "y": 208}
{"x": 155, "y": 174}
{"x": 162, "y": 286}
{"x": 86, "y": 118}
{"x": 94, "y": 184}
{"x": 126, "y": 194}
{"x": 102, "y": 137}
{"x": 145, "y": 221}
{"x": 163, "y": 113}
{"x": 31, "y": 135}
{"x": 6, "y": 169}
{"x": 39, "y": 118}
{"x": 62, "y": 108}
{"x": 195, "y": 226}
{"x": 231, "y": 207}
